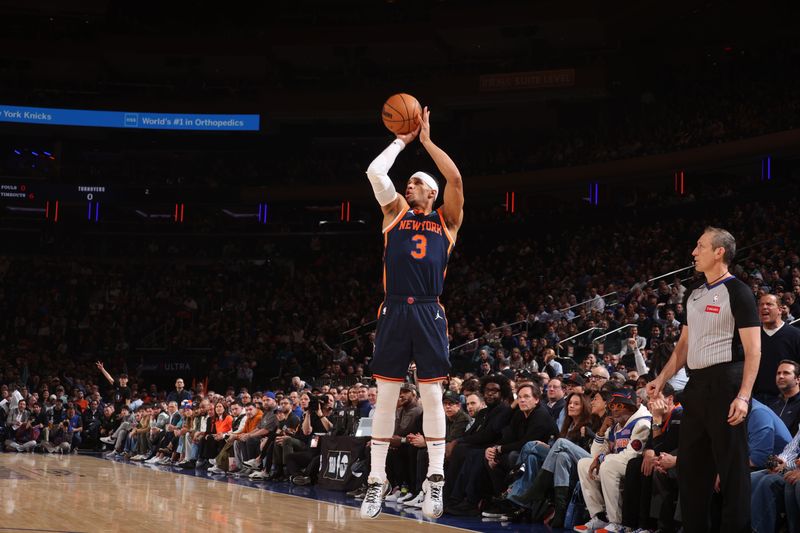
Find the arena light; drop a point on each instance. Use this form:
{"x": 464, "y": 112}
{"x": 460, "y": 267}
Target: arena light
{"x": 680, "y": 182}
{"x": 594, "y": 193}
{"x": 510, "y": 204}
{"x": 54, "y": 210}
{"x": 179, "y": 210}
{"x": 766, "y": 169}
{"x": 93, "y": 211}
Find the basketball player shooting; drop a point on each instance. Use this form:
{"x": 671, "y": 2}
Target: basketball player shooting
{"x": 412, "y": 326}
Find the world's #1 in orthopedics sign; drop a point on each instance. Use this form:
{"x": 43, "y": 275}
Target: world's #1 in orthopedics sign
{"x": 127, "y": 119}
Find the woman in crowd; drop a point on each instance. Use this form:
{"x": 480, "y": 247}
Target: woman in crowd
{"x": 352, "y": 398}
{"x": 220, "y": 423}
{"x": 529, "y": 362}
{"x": 582, "y": 420}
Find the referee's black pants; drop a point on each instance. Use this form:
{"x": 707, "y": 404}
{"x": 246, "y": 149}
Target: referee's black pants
{"x": 710, "y": 446}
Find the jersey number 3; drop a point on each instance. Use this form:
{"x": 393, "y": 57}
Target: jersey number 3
{"x": 422, "y": 246}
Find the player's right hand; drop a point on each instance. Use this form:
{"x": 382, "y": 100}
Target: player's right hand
{"x": 408, "y": 138}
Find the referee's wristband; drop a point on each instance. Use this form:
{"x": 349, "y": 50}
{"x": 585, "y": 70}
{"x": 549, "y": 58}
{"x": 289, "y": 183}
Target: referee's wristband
{"x": 744, "y": 399}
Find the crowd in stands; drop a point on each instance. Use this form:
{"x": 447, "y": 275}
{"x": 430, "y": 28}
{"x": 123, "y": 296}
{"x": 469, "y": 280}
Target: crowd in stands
{"x": 528, "y": 411}
{"x": 524, "y": 442}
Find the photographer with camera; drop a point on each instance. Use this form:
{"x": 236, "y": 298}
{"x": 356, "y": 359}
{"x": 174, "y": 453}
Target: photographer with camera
{"x": 59, "y": 438}
{"x": 316, "y": 417}
{"x": 320, "y": 420}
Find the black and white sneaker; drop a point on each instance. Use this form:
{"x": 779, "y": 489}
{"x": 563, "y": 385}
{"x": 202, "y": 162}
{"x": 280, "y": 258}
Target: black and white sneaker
{"x": 433, "y": 504}
{"x": 373, "y": 498}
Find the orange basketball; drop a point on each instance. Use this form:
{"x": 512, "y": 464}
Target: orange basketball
{"x": 400, "y": 113}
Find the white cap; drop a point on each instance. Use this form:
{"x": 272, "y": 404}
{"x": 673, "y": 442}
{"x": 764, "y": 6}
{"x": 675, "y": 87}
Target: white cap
{"x": 428, "y": 180}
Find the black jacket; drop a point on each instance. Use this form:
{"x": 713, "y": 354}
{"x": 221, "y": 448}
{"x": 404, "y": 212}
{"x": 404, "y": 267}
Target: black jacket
{"x": 488, "y": 426}
{"x": 538, "y": 425}
{"x": 667, "y": 442}
{"x": 788, "y": 411}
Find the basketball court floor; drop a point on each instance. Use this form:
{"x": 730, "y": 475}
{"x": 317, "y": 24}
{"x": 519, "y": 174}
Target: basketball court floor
{"x": 87, "y": 493}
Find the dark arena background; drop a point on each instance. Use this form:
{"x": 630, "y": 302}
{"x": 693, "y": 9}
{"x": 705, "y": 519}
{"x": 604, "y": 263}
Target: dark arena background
{"x": 184, "y": 203}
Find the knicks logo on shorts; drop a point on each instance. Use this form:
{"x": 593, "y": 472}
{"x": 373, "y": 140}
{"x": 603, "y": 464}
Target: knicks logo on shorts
{"x": 712, "y": 309}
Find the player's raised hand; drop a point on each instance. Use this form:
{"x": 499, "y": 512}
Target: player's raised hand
{"x": 425, "y": 124}
{"x": 407, "y": 138}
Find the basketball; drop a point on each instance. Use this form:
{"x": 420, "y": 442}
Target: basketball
{"x": 399, "y": 113}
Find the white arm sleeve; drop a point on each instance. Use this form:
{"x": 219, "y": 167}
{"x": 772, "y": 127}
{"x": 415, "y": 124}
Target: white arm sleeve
{"x": 378, "y": 173}
{"x": 641, "y": 366}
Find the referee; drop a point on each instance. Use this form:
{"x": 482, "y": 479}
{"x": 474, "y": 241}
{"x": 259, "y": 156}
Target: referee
{"x": 721, "y": 346}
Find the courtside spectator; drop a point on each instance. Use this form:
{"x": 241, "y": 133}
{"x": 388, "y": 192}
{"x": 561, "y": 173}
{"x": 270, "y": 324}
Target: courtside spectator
{"x": 766, "y": 434}
{"x": 774, "y": 490}
{"x": 638, "y": 485}
{"x": 486, "y": 430}
{"x": 787, "y": 404}
{"x": 601, "y": 475}
{"x": 779, "y": 341}
{"x": 546, "y": 467}
{"x": 222, "y": 461}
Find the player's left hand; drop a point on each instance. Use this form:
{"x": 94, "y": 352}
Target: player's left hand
{"x": 737, "y": 413}
{"x": 425, "y": 125}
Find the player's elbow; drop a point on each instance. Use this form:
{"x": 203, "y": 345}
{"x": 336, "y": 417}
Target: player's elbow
{"x": 454, "y": 179}
{"x": 375, "y": 172}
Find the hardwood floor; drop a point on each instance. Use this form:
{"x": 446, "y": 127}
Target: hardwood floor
{"x": 78, "y": 493}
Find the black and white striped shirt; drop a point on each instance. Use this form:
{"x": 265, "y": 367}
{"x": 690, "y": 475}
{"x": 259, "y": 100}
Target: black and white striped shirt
{"x": 715, "y": 313}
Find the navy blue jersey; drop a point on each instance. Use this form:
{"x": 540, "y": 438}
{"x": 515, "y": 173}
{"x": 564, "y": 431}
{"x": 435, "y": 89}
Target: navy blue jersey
{"x": 416, "y": 250}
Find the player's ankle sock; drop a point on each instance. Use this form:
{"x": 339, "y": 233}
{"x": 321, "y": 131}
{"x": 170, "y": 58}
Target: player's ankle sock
{"x": 436, "y": 457}
{"x": 378, "y": 459}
